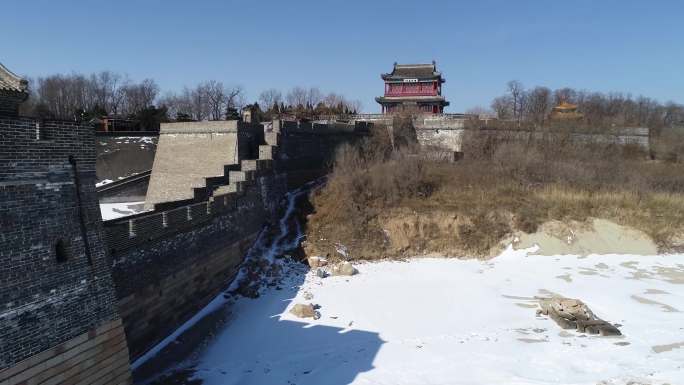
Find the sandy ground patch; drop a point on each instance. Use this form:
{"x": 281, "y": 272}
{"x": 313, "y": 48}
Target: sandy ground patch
{"x": 597, "y": 236}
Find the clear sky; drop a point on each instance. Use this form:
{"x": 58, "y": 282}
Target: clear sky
{"x": 344, "y": 46}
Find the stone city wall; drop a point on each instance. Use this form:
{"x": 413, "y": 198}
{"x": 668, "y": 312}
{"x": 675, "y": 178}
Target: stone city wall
{"x": 56, "y": 290}
{"x": 170, "y": 262}
{"x": 307, "y": 150}
{"x": 10, "y": 101}
{"x": 444, "y": 132}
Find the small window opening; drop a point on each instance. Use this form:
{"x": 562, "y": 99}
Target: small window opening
{"x": 61, "y": 251}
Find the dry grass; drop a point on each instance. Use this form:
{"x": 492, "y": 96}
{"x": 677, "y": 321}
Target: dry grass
{"x": 384, "y": 203}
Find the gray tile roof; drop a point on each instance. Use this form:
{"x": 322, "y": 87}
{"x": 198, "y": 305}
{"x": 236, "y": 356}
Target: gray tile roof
{"x": 419, "y": 71}
{"x": 414, "y": 70}
{"x": 11, "y": 82}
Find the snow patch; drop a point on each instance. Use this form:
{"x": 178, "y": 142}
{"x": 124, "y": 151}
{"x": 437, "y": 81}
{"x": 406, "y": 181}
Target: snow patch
{"x": 103, "y": 182}
{"x": 119, "y": 210}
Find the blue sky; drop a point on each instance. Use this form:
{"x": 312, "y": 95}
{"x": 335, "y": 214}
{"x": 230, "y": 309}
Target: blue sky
{"x": 343, "y": 46}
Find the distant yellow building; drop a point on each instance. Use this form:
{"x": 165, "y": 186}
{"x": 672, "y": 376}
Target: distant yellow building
{"x": 565, "y": 111}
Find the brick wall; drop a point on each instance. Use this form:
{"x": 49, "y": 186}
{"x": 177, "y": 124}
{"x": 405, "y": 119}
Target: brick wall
{"x": 97, "y": 357}
{"x": 55, "y": 278}
{"x": 10, "y": 101}
{"x": 306, "y": 151}
{"x": 168, "y": 265}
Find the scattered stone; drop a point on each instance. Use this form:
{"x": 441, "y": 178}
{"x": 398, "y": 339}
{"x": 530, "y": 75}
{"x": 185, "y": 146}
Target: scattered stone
{"x": 570, "y": 313}
{"x": 308, "y": 296}
{"x": 320, "y": 273}
{"x": 304, "y": 311}
{"x": 316, "y": 262}
{"x": 344, "y": 268}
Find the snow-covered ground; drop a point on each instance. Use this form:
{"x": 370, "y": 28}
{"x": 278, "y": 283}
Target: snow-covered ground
{"x": 118, "y": 210}
{"x": 449, "y": 321}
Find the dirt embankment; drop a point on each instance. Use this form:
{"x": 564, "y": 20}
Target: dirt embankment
{"x": 384, "y": 202}
{"x": 407, "y": 233}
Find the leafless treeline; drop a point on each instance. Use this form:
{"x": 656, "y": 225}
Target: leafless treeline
{"x": 70, "y": 96}
{"x": 598, "y": 109}
{"x": 300, "y": 100}
{"x": 209, "y": 100}
{"x": 78, "y": 96}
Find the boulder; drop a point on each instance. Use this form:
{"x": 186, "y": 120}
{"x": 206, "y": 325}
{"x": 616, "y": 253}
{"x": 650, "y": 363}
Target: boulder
{"x": 303, "y": 311}
{"x": 320, "y": 273}
{"x": 344, "y": 268}
{"x": 570, "y": 313}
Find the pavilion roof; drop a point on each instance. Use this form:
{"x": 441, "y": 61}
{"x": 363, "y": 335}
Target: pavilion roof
{"x": 11, "y": 82}
{"x": 565, "y": 106}
{"x": 413, "y": 71}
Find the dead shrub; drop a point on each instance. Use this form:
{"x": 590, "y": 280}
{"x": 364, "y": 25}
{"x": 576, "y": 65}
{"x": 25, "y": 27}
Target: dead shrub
{"x": 669, "y": 145}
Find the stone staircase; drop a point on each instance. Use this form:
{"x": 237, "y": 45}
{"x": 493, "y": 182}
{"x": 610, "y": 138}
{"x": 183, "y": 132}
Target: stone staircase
{"x": 237, "y": 176}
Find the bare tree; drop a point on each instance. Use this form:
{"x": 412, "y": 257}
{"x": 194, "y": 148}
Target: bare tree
{"x": 313, "y": 96}
{"x": 503, "y": 107}
{"x": 538, "y": 102}
{"x": 215, "y": 97}
{"x": 516, "y": 91}
{"x": 566, "y": 94}
{"x": 355, "y": 106}
{"x": 296, "y": 97}
{"x": 209, "y": 100}
{"x": 139, "y": 96}
{"x": 270, "y": 97}
{"x": 106, "y": 89}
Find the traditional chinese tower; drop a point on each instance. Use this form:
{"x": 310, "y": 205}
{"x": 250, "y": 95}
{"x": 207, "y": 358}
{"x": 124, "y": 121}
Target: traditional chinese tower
{"x": 413, "y": 86}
